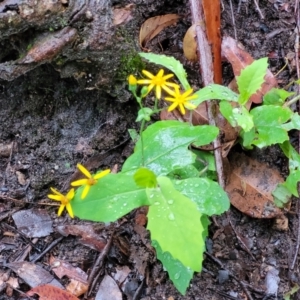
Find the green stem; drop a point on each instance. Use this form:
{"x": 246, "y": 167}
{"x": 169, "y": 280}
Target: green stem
{"x": 292, "y": 101}
{"x": 155, "y": 104}
{"x": 142, "y": 141}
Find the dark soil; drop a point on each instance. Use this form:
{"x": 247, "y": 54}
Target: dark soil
{"x": 55, "y": 123}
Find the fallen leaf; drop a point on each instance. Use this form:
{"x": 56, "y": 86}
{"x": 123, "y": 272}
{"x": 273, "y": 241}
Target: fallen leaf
{"x": 62, "y": 268}
{"x": 153, "y": 26}
{"x": 33, "y": 274}
{"x": 33, "y": 222}
{"x": 250, "y": 187}
{"x": 108, "y": 290}
{"x": 88, "y": 236}
{"x": 47, "y": 292}
{"x": 239, "y": 59}
{"x": 190, "y": 44}
{"x": 77, "y": 288}
{"x": 123, "y": 15}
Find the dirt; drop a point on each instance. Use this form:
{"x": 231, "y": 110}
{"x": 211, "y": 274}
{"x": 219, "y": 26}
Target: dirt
{"x": 54, "y": 123}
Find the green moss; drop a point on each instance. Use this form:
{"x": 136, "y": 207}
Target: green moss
{"x": 129, "y": 64}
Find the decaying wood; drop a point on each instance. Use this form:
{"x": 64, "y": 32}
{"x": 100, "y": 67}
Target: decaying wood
{"x": 69, "y": 34}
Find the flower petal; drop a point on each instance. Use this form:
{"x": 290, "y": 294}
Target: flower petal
{"x": 160, "y": 73}
{"x": 187, "y": 93}
{"x": 84, "y": 170}
{"x": 190, "y": 105}
{"x": 79, "y": 182}
{"x": 148, "y": 74}
{"x": 170, "y": 99}
{"x": 182, "y": 109}
{"x": 173, "y": 106}
{"x": 69, "y": 210}
{"x": 144, "y": 81}
{"x": 60, "y": 210}
{"x": 70, "y": 195}
{"x": 166, "y": 77}
{"x": 101, "y": 174}
{"x": 55, "y": 197}
{"x": 85, "y": 191}
{"x": 158, "y": 92}
{"x": 55, "y": 191}
{"x": 169, "y": 91}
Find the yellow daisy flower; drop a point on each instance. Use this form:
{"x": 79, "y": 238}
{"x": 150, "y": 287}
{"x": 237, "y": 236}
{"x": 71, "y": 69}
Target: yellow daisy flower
{"x": 132, "y": 80}
{"x": 89, "y": 181}
{"x": 65, "y": 201}
{"x": 159, "y": 81}
{"x": 181, "y": 100}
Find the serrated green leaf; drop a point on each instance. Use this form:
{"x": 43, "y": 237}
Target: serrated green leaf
{"x": 248, "y": 138}
{"x": 293, "y": 124}
{"x": 268, "y": 122}
{"x": 170, "y": 63}
{"x": 292, "y": 155}
{"x": 251, "y": 79}
{"x": 165, "y": 146}
{"x": 174, "y": 222}
{"x": 178, "y": 273}
{"x": 214, "y": 91}
{"x": 276, "y": 97}
{"x": 209, "y": 197}
{"x": 291, "y": 183}
{"x": 112, "y": 197}
{"x": 281, "y": 195}
{"x": 237, "y": 116}
{"x": 145, "y": 178}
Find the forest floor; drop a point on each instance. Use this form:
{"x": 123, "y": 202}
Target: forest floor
{"x": 49, "y": 124}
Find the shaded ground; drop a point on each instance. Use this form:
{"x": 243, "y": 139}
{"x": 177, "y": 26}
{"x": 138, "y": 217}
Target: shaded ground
{"x": 55, "y": 123}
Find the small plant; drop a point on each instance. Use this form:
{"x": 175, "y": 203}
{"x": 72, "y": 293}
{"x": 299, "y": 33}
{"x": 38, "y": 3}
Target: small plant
{"x": 175, "y": 181}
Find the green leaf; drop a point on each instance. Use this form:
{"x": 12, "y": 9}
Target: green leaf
{"x": 237, "y": 116}
{"x": 178, "y": 273}
{"x": 214, "y": 91}
{"x": 293, "y": 124}
{"x": 291, "y": 183}
{"x": 209, "y": 197}
{"x": 294, "y": 290}
{"x": 112, "y": 197}
{"x": 145, "y": 178}
{"x": 165, "y": 146}
{"x": 281, "y": 195}
{"x": 251, "y": 79}
{"x": 133, "y": 135}
{"x": 170, "y": 63}
{"x": 174, "y": 222}
{"x": 144, "y": 114}
{"x": 248, "y": 138}
{"x": 268, "y": 122}
{"x": 185, "y": 172}
{"x": 276, "y": 97}
{"x": 292, "y": 155}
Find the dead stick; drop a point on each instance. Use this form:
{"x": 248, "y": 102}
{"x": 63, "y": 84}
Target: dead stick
{"x": 98, "y": 264}
{"x": 297, "y": 16}
{"x": 206, "y": 67}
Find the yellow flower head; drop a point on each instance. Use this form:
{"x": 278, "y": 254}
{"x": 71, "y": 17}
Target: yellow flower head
{"x": 65, "y": 200}
{"x": 181, "y": 100}
{"x": 132, "y": 80}
{"x": 89, "y": 181}
{"x": 158, "y": 81}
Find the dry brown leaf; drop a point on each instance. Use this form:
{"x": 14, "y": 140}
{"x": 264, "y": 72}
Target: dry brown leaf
{"x": 239, "y": 59}
{"x": 250, "y": 187}
{"x": 47, "y": 292}
{"x": 77, "y": 288}
{"x": 153, "y": 26}
{"x": 190, "y": 44}
{"x": 123, "y": 15}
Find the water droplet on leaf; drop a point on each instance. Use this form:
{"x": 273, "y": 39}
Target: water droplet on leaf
{"x": 177, "y": 275}
{"x": 171, "y": 217}
{"x": 170, "y": 201}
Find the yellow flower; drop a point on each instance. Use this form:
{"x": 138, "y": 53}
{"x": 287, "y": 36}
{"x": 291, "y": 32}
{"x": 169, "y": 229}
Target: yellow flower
{"x": 89, "y": 181}
{"x": 65, "y": 201}
{"x": 181, "y": 100}
{"x": 158, "y": 81}
{"x": 132, "y": 80}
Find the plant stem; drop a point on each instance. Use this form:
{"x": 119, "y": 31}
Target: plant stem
{"x": 142, "y": 141}
{"x": 292, "y": 101}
